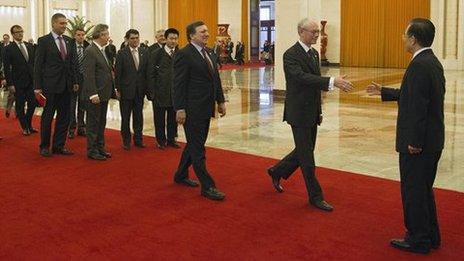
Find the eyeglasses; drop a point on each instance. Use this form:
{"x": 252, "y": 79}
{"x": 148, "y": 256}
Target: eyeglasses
{"x": 312, "y": 31}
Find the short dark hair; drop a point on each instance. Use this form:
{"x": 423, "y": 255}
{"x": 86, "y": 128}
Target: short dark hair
{"x": 131, "y": 31}
{"x": 79, "y": 29}
{"x": 14, "y": 27}
{"x": 57, "y": 16}
{"x": 192, "y": 28}
{"x": 423, "y": 30}
{"x": 170, "y": 31}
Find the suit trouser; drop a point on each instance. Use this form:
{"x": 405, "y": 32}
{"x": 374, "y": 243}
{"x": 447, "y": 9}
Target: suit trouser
{"x": 78, "y": 121}
{"x": 302, "y": 156}
{"x": 196, "y": 133}
{"x": 10, "y": 100}
{"x": 420, "y": 215}
{"x": 95, "y": 128}
{"x": 134, "y": 107}
{"x": 165, "y": 117}
{"x": 59, "y": 103}
{"x": 21, "y": 98}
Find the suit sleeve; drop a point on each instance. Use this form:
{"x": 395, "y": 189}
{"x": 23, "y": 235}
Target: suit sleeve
{"x": 181, "y": 81}
{"x": 74, "y": 65}
{"x": 293, "y": 68}
{"x": 90, "y": 83}
{"x": 389, "y": 94}
{"x": 7, "y": 67}
{"x": 152, "y": 74}
{"x": 39, "y": 63}
{"x": 418, "y": 102}
{"x": 118, "y": 70}
{"x": 219, "y": 91}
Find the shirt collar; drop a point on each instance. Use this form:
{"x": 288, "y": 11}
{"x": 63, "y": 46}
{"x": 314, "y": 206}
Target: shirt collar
{"x": 199, "y": 48}
{"x": 78, "y": 44}
{"x": 55, "y": 36}
{"x": 18, "y": 43}
{"x": 134, "y": 48}
{"x": 98, "y": 46}
{"x": 421, "y": 50}
{"x": 167, "y": 49}
{"x": 305, "y": 47}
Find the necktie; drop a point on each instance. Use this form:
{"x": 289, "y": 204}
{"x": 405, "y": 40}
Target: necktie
{"x": 62, "y": 48}
{"x": 136, "y": 58}
{"x": 104, "y": 55}
{"x": 24, "y": 52}
{"x": 171, "y": 53}
{"x": 313, "y": 57}
{"x": 80, "y": 58}
{"x": 208, "y": 61}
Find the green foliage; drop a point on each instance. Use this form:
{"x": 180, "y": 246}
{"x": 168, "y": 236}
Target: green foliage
{"x": 79, "y": 22}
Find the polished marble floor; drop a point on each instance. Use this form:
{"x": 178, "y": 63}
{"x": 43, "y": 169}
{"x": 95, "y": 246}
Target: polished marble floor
{"x": 357, "y": 135}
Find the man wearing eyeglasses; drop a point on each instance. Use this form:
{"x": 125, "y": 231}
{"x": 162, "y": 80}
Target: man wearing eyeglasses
{"x": 18, "y": 65}
{"x": 303, "y": 110}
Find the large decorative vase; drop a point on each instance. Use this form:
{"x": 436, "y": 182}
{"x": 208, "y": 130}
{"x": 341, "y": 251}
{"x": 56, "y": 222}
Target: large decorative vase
{"x": 324, "y": 42}
{"x": 221, "y": 38}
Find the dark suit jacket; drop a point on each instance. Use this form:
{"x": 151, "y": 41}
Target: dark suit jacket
{"x": 195, "y": 89}
{"x": 160, "y": 78}
{"x": 130, "y": 82}
{"x": 98, "y": 76}
{"x": 18, "y": 71}
{"x": 51, "y": 73}
{"x": 304, "y": 85}
{"x": 110, "y": 51}
{"x": 420, "y": 99}
{"x": 79, "y": 76}
{"x": 154, "y": 47}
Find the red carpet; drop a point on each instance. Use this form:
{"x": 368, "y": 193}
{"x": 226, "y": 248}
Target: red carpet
{"x": 245, "y": 66}
{"x": 129, "y": 209}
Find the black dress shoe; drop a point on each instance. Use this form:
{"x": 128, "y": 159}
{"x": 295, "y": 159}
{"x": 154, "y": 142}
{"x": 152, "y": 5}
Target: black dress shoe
{"x": 96, "y": 157}
{"x": 213, "y": 193}
{"x": 140, "y": 145}
{"x": 26, "y": 132}
{"x": 71, "y": 135}
{"x": 126, "y": 146}
{"x": 45, "y": 153}
{"x": 321, "y": 204}
{"x": 160, "y": 146}
{"x": 32, "y": 130}
{"x": 405, "y": 246}
{"x": 81, "y": 133}
{"x": 105, "y": 154}
{"x": 7, "y": 114}
{"x": 187, "y": 182}
{"x": 275, "y": 180}
{"x": 174, "y": 145}
{"x": 62, "y": 151}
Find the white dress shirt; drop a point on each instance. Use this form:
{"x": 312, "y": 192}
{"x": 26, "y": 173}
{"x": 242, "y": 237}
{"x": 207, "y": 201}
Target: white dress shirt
{"x": 57, "y": 41}
{"x": 420, "y": 50}
{"x": 332, "y": 79}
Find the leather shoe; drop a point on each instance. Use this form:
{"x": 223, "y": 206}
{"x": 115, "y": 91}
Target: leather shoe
{"x": 405, "y": 246}
{"x": 213, "y": 193}
{"x": 275, "y": 180}
{"x": 321, "y": 204}
{"x": 7, "y": 114}
{"x": 96, "y": 157}
{"x": 81, "y": 133}
{"x": 187, "y": 182}
{"x": 32, "y": 130}
{"x": 126, "y": 146}
{"x": 105, "y": 154}
{"x": 71, "y": 135}
{"x": 62, "y": 151}
{"x": 140, "y": 145}
{"x": 160, "y": 146}
{"x": 26, "y": 132}
{"x": 174, "y": 145}
{"x": 45, "y": 153}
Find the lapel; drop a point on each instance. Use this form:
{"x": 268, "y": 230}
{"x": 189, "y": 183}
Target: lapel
{"x": 305, "y": 57}
{"x": 57, "y": 51}
{"x": 18, "y": 51}
{"x": 131, "y": 58}
{"x": 200, "y": 59}
{"x": 101, "y": 57}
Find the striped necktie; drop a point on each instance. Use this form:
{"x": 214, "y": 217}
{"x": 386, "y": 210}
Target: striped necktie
{"x": 80, "y": 58}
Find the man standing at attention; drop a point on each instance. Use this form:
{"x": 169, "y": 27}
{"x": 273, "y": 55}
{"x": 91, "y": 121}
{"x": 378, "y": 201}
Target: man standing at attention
{"x": 197, "y": 87}
{"x": 303, "y": 110}
{"x": 420, "y": 136}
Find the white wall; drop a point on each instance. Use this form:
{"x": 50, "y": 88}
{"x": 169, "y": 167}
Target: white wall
{"x": 15, "y": 12}
{"x": 331, "y": 13}
{"x": 230, "y": 12}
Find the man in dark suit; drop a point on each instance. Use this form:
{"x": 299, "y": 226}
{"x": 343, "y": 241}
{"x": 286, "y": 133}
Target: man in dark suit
{"x": 159, "y": 77}
{"x": 420, "y": 136}
{"x": 130, "y": 70}
{"x": 96, "y": 92}
{"x": 78, "y": 46}
{"x": 239, "y": 53}
{"x": 11, "y": 97}
{"x": 160, "y": 40}
{"x": 197, "y": 86}
{"x": 18, "y": 66}
{"x": 110, "y": 51}
{"x": 55, "y": 78}
{"x": 303, "y": 110}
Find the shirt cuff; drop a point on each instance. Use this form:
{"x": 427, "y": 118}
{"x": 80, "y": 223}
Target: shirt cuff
{"x": 93, "y": 96}
{"x": 331, "y": 84}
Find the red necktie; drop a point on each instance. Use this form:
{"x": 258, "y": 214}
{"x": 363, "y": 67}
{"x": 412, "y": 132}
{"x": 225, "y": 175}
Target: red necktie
{"x": 62, "y": 48}
{"x": 210, "y": 66}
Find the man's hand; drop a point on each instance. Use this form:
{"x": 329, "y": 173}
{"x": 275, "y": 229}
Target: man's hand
{"x": 374, "y": 89}
{"x": 343, "y": 84}
{"x": 76, "y": 87}
{"x": 95, "y": 100}
{"x": 181, "y": 116}
{"x": 12, "y": 89}
{"x": 38, "y": 91}
{"x": 3, "y": 82}
{"x": 414, "y": 151}
{"x": 222, "y": 109}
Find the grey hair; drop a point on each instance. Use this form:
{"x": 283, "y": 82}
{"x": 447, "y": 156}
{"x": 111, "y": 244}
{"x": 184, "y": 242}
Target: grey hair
{"x": 304, "y": 23}
{"x": 161, "y": 31}
{"x": 98, "y": 29}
